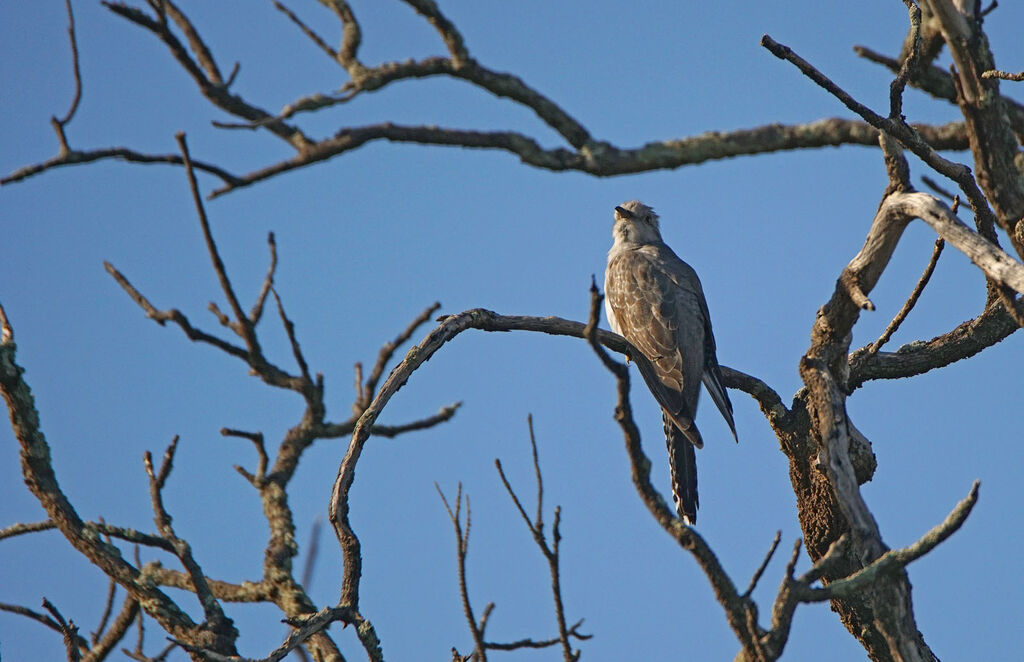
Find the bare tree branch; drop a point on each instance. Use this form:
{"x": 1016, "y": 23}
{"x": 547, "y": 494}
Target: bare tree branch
{"x": 993, "y": 143}
{"x": 107, "y": 607}
{"x": 993, "y": 325}
{"x": 1003, "y": 75}
{"x": 901, "y": 131}
{"x": 48, "y": 621}
{"x": 77, "y": 157}
{"x": 68, "y": 629}
{"x": 118, "y": 629}
{"x": 39, "y": 476}
{"x": 216, "y": 620}
{"x": 550, "y": 552}
{"x": 461, "y": 551}
{"x": 764, "y": 565}
{"x": 268, "y": 283}
{"x": 911, "y": 300}
{"x": 308, "y": 31}
{"x": 60, "y": 124}
{"x": 586, "y": 154}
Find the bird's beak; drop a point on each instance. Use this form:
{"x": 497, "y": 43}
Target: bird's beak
{"x": 624, "y": 213}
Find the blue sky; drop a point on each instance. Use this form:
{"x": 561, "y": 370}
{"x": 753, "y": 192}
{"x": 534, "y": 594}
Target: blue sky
{"x": 368, "y": 240}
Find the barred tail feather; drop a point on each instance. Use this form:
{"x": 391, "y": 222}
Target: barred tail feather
{"x": 682, "y": 462}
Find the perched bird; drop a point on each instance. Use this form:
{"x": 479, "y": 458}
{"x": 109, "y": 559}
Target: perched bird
{"x": 654, "y": 300}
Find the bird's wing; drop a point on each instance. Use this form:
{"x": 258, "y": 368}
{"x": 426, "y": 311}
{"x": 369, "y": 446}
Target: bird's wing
{"x": 685, "y": 277}
{"x": 712, "y": 379}
{"x": 662, "y": 320}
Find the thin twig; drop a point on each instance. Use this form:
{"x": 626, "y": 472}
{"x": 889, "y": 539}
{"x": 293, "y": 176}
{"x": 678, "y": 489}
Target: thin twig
{"x": 161, "y": 317}
{"x": 107, "y": 608}
{"x": 388, "y": 350}
{"x": 764, "y": 564}
{"x": 21, "y": 529}
{"x": 461, "y": 551}
{"x": 308, "y": 31}
{"x": 60, "y": 124}
{"x": 268, "y": 282}
{"x": 215, "y": 618}
{"x": 550, "y": 552}
{"x": 289, "y": 328}
{"x": 442, "y": 416}
{"x": 540, "y": 643}
{"x": 159, "y": 657}
{"x": 242, "y": 327}
{"x": 311, "y": 553}
{"x": 1004, "y": 75}
{"x": 140, "y": 626}
{"x": 310, "y": 625}
{"x": 449, "y": 33}
{"x": 909, "y": 64}
{"x": 68, "y": 629}
{"x": 261, "y": 451}
{"x": 911, "y": 301}
{"x": 519, "y": 506}
{"x": 43, "y": 619}
{"x": 893, "y": 560}
{"x": 539, "y": 522}
{"x": 77, "y": 157}
{"x": 900, "y": 130}
{"x": 938, "y": 188}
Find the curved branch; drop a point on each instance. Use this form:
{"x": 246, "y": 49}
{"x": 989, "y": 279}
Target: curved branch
{"x": 898, "y": 209}
{"x": 448, "y": 328}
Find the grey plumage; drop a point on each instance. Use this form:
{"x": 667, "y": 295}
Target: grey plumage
{"x": 655, "y": 301}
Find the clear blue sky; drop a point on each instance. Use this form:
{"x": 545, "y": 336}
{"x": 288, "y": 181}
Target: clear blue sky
{"x": 368, "y": 240}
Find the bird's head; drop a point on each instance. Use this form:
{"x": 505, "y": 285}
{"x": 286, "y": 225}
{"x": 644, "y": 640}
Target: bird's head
{"x": 635, "y": 223}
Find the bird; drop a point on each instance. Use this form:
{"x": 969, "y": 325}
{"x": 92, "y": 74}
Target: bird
{"x": 655, "y": 300}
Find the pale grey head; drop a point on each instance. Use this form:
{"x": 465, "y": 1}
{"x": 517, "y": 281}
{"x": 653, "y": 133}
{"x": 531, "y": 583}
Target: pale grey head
{"x": 635, "y": 223}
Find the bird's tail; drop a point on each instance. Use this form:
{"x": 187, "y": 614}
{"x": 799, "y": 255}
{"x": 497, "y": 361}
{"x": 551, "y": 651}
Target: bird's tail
{"x": 682, "y": 462}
